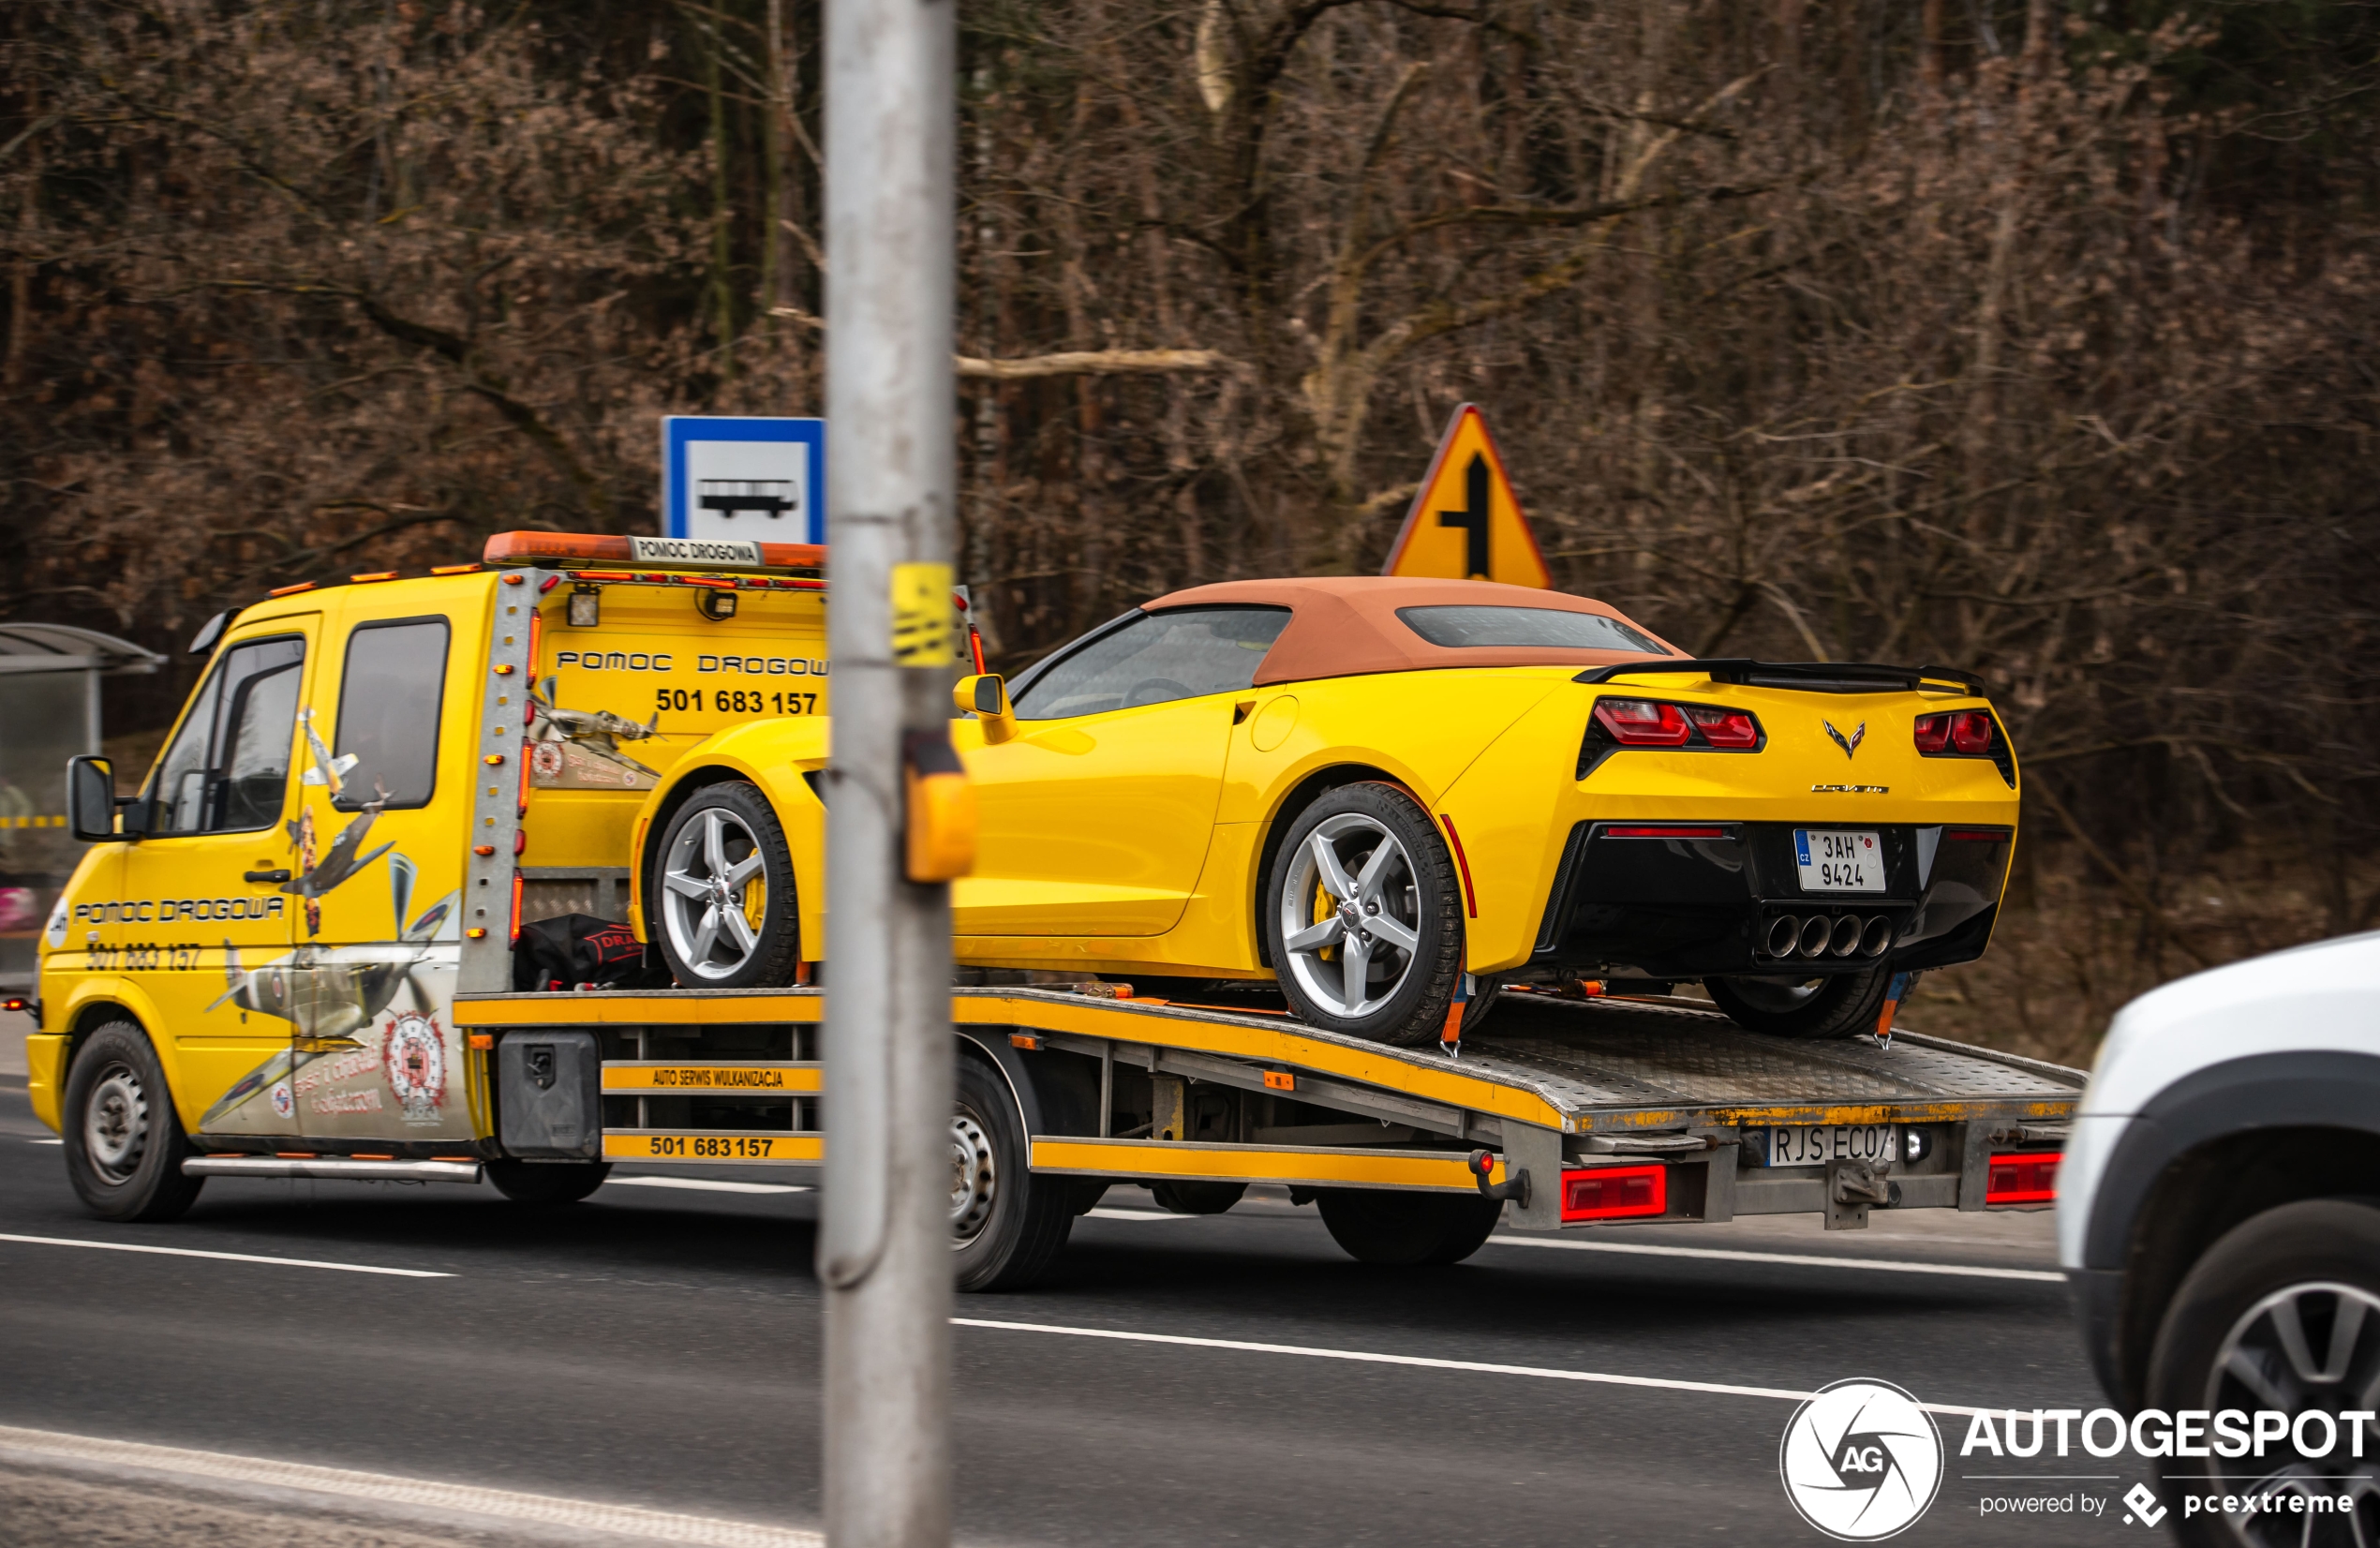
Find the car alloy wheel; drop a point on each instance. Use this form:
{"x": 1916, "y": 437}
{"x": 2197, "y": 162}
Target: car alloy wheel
{"x": 714, "y": 894}
{"x": 2306, "y": 1348}
{"x": 1350, "y": 914}
{"x": 115, "y": 1124}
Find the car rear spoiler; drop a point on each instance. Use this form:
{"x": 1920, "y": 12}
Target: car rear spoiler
{"x": 1809, "y": 676}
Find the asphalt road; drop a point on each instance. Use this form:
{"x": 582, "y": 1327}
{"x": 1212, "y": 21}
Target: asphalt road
{"x": 659, "y": 1347}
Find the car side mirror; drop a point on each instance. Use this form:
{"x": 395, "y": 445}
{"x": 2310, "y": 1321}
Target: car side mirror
{"x": 986, "y": 697}
{"x": 91, "y": 802}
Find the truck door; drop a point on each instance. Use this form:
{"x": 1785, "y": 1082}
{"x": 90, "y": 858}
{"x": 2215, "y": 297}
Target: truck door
{"x": 208, "y": 924}
{"x": 1096, "y": 820}
{"x": 385, "y": 1062}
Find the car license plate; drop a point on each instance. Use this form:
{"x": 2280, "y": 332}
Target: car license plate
{"x": 1814, "y": 1144}
{"x": 1839, "y": 860}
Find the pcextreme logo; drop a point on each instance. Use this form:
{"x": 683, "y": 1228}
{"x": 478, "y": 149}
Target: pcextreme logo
{"x": 1861, "y": 1460}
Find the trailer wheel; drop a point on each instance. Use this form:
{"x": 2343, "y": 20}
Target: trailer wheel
{"x": 1197, "y": 1197}
{"x": 1364, "y": 918}
{"x": 1841, "y": 1005}
{"x": 1006, "y": 1225}
{"x": 124, "y": 1140}
{"x": 1407, "y": 1230}
{"x": 722, "y": 891}
{"x": 547, "y": 1182}
{"x": 2282, "y": 1313}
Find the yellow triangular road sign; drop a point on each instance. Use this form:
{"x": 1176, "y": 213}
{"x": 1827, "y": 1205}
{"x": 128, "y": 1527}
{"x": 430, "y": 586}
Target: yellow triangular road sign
{"x": 1466, "y": 523}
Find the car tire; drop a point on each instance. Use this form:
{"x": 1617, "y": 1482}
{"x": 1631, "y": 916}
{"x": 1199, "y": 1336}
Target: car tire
{"x": 124, "y": 1140}
{"x": 1408, "y": 1230}
{"x": 713, "y": 931}
{"x": 1485, "y": 993}
{"x": 1197, "y": 1197}
{"x": 1006, "y": 1225}
{"x": 2299, "y": 1262}
{"x": 1843, "y": 1005}
{"x": 547, "y": 1182}
{"x": 1415, "y": 891}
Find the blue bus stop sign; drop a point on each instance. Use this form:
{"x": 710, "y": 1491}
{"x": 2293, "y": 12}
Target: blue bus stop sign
{"x": 760, "y": 480}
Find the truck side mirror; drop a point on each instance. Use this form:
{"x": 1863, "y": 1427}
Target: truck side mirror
{"x": 91, "y": 799}
{"x": 986, "y": 697}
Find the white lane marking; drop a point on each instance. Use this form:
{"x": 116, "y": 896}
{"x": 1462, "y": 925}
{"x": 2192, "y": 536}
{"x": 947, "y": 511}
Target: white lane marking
{"x": 45, "y": 1141}
{"x": 705, "y": 1184}
{"x": 228, "y": 1258}
{"x": 1366, "y": 1357}
{"x": 1136, "y": 1214}
{"x": 583, "y": 1515}
{"x": 1731, "y": 1254}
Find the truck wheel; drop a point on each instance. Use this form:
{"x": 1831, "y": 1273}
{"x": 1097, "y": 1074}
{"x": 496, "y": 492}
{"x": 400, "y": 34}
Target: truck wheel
{"x": 1005, "y": 1224}
{"x": 1842, "y": 1005}
{"x": 125, "y": 1145}
{"x": 1407, "y": 1230}
{"x": 722, "y": 885}
{"x": 547, "y": 1182}
{"x": 1364, "y": 918}
{"x": 2281, "y": 1313}
{"x": 1197, "y": 1197}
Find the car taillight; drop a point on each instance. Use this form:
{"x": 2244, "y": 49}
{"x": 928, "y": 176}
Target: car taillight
{"x": 1725, "y": 727}
{"x": 1933, "y": 734}
{"x": 1614, "y": 1192}
{"x": 1643, "y": 723}
{"x": 2023, "y": 1179}
{"x": 1970, "y": 732}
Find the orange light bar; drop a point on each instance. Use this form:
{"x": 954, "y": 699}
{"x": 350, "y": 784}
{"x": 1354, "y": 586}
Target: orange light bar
{"x": 452, "y": 569}
{"x": 290, "y": 591}
{"x": 561, "y": 549}
{"x": 372, "y": 576}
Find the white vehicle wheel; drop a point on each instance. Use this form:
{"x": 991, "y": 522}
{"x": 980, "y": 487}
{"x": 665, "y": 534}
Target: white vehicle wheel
{"x": 1364, "y": 918}
{"x": 723, "y": 892}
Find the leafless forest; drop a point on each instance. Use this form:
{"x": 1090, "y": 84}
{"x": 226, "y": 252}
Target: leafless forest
{"x": 2034, "y": 336}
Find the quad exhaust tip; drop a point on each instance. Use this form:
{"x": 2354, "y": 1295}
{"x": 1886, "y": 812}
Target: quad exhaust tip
{"x": 1844, "y": 935}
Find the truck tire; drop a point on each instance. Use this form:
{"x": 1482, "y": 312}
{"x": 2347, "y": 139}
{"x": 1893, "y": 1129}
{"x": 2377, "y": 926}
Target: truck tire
{"x": 2268, "y": 1297}
{"x": 1197, "y": 1197}
{"x": 1364, "y": 859}
{"x": 722, "y": 892}
{"x": 1407, "y": 1230}
{"x": 1844, "y": 1005}
{"x": 547, "y": 1182}
{"x": 124, "y": 1140}
{"x": 1006, "y": 1225}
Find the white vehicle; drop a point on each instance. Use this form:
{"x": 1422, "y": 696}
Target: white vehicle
{"x": 2219, "y": 1216}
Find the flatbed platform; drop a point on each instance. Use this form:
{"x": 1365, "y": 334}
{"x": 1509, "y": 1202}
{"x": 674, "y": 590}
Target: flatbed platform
{"x": 1557, "y": 1086}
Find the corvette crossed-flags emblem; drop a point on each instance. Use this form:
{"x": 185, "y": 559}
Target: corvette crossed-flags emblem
{"x": 1849, "y": 744}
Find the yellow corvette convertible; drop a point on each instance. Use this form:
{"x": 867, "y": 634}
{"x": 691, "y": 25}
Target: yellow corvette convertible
{"x": 1392, "y": 795}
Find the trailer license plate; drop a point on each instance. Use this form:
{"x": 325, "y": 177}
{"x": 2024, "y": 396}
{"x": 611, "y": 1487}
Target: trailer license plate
{"x": 1839, "y": 860}
{"x": 1814, "y": 1144}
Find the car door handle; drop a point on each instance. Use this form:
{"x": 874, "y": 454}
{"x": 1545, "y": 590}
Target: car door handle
{"x": 264, "y": 876}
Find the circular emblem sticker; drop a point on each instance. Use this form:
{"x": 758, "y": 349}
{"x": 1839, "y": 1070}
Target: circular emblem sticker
{"x": 547, "y": 759}
{"x": 414, "y": 1057}
{"x": 1861, "y": 1460}
{"x": 283, "y": 1103}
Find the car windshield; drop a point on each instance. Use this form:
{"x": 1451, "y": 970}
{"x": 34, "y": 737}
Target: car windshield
{"x": 1532, "y": 628}
{"x": 1182, "y": 653}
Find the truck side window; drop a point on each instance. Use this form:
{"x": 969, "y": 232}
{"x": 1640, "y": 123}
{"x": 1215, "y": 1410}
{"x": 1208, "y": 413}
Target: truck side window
{"x": 390, "y": 701}
{"x": 229, "y": 767}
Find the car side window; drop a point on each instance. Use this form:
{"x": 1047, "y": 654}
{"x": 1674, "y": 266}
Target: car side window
{"x": 229, "y": 768}
{"x": 1182, "y": 653}
{"x": 390, "y": 696}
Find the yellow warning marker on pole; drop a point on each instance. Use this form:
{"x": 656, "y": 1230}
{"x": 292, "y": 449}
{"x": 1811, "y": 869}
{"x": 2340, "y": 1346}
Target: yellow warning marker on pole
{"x": 1466, "y": 523}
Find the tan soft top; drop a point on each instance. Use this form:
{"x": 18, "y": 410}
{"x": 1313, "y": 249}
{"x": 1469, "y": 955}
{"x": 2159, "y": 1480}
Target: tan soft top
{"x": 1346, "y": 625}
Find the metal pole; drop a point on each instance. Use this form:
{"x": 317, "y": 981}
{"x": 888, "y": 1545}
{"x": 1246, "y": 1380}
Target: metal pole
{"x": 883, "y": 1251}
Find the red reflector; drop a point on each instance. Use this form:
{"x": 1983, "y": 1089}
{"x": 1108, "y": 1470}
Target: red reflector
{"x": 2023, "y": 1179}
{"x": 1665, "y": 833}
{"x": 1933, "y": 734}
{"x": 1970, "y": 732}
{"x": 1642, "y": 722}
{"x": 1975, "y": 835}
{"x": 1730, "y": 728}
{"x": 1614, "y": 1192}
